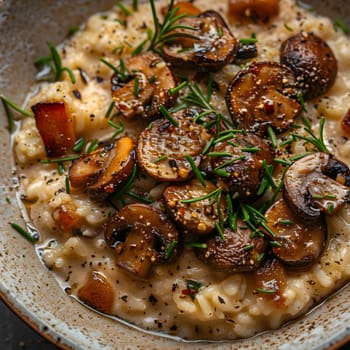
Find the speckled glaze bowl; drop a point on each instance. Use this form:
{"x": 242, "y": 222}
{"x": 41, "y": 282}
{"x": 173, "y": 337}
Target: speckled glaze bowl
{"x": 29, "y": 288}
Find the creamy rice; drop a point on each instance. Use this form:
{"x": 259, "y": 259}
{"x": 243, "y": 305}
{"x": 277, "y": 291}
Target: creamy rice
{"x": 226, "y": 307}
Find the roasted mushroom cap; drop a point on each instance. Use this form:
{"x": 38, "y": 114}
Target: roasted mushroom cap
{"x": 300, "y": 243}
{"x": 239, "y": 164}
{"x": 142, "y": 236}
{"x": 312, "y": 61}
{"x": 263, "y": 95}
{"x": 162, "y": 147}
{"x": 101, "y": 172}
{"x": 238, "y": 252}
{"x": 271, "y": 281}
{"x": 211, "y": 46}
{"x": 316, "y": 184}
{"x": 189, "y": 211}
{"x": 55, "y": 126}
{"x": 145, "y": 86}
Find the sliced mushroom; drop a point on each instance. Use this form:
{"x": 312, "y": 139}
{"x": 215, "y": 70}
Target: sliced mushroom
{"x": 206, "y": 44}
{"x": 238, "y": 252}
{"x": 56, "y": 127}
{"x": 144, "y": 86}
{"x": 97, "y": 292}
{"x": 316, "y": 184}
{"x": 238, "y": 164}
{"x": 199, "y": 216}
{"x": 142, "y": 236}
{"x": 299, "y": 243}
{"x": 263, "y": 95}
{"x": 271, "y": 281}
{"x": 312, "y": 61}
{"x": 246, "y": 51}
{"x": 101, "y": 172}
{"x": 262, "y": 9}
{"x": 162, "y": 147}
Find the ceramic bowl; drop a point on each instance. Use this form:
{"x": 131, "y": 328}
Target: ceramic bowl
{"x": 29, "y": 288}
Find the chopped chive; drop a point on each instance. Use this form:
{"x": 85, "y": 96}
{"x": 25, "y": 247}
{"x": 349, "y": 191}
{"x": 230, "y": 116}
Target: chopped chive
{"x": 169, "y": 250}
{"x": 197, "y": 245}
{"x": 263, "y": 186}
{"x": 168, "y": 116}
{"x": 250, "y": 149}
{"x": 275, "y": 244}
{"x": 268, "y": 230}
{"x": 79, "y": 145}
{"x": 17, "y": 108}
{"x": 110, "y": 109}
{"x": 136, "y": 87}
{"x": 272, "y": 136}
{"x": 330, "y": 209}
{"x": 282, "y": 161}
{"x": 178, "y": 108}
{"x": 317, "y": 196}
{"x": 219, "y": 154}
{"x": 329, "y": 196}
{"x": 247, "y": 41}
{"x": 93, "y": 146}
{"x": 124, "y": 8}
{"x": 290, "y": 29}
{"x": 135, "y": 5}
{"x": 220, "y": 31}
{"x": 24, "y": 233}
{"x": 245, "y": 212}
{"x": 208, "y": 146}
{"x": 233, "y": 221}
{"x": 119, "y": 195}
{"x": 219, "y": 230}
{"x": 196, "y": 171}
{"x": 224, "y": 138}
{"x": 288, "y": 141}
{"x": 202, "y": 198}
{"x": 140, "y": 198}
{"x": 61, "y": 168}
{"x": 265, "y": 291}
{"x": 177, "y": 88}
{"x": 67, "y": 183}
{"x": 222, "y": 173}
{"x": 121, "y": 73}
{"x": 260, "y": 257}
{"x": 299, "y": 156}
{"x": 248, "y": 247}
{"x": 59, "y": 160}
{"x": 302, "y": 101}
{"x": 338, "y": 23}
{"x": 268, "y": 174}
{"x": 285, "y": 222}
{"x": 161, "y": 158}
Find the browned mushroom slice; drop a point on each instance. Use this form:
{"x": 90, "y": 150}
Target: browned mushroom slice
{"x": 312, "y": 61}
{"x": 199, "y": 215}
{"x": 162, "y": 147}
{"x": 298, "y": 243}
{"x": 263, "y": 95}
{"x": 144, "y": 87}
{"x": 239, "y": 163}
{"x": 238, "y": 252}
{"x": 68, "y": 220}
{"x": 271, "y": 281}
{"x": 97, "y": 292}
{"x": 142, "y": 236}
{"x": 316, "y": 184}
{"x": 102, "y": 172}
{"x": 262, "y": 9}
{"x": 55, "y": 126}
{"x": 211, "y": 46}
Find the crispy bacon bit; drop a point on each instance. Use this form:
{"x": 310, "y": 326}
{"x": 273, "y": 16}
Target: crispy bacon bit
{"x": 55, "y": 126}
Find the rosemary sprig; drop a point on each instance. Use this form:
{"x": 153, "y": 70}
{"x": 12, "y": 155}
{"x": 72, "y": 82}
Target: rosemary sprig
{"x": 212, "y": 194}
{"x": 119, "y": 128}
{"x": 168, "y": 116}
{"x": 122, "y": 72}
{"x": 164, "y": 33}
{"x": 196, "y": 170}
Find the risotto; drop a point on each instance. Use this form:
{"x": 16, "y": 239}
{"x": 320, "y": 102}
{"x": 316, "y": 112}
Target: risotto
{"x": 192, "y": 179}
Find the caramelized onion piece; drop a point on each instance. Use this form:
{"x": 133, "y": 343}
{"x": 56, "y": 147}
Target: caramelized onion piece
{"x": 263, "y": 95}
{"x": 239, "y": 252}
{"x": 55, "y": 126}
{"x": 262, "y": 9}
{"x": 300, "y": 243}
{"x": 142, "y": 236}
{"x": 271, "y": 281}
{"x": 184, "y": 8}
{"x": 316, "y": 184}
{"x": 212, "y": 47}
{"x": 240, "y": 165}
{"x": 312, "y": 61}
{"x": 145, "y": 86}
{"x": 162, "y": 147}
{"x": 97, "y": 292}
{"x": 197, "y": 217}
{"x": 101, "y": 172}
